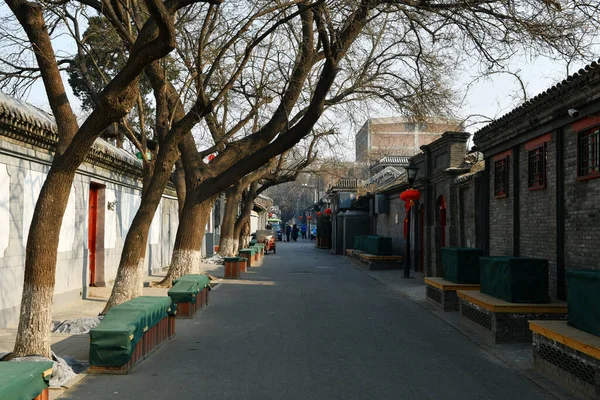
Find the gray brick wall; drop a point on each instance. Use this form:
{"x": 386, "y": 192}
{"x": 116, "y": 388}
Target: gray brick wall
{"x": 387, "y": 226}
{"x": 467, "y": 207}
{"x": 582, "y": 212}
{"x": 501, "y": 216}
{"x": 538, "y": 214}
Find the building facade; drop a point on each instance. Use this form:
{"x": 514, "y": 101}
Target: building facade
{"x": 105, "y": 196}
{"x": 381, "y": 138}
{"x": 542, "y": 161}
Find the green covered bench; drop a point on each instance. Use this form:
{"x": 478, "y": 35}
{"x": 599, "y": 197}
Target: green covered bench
{"x": 190, "y": 293}
{"x": 129, "y": 332}
{"x": 233, "y": 267}
{"x": 25, "y": 380}
{"x": 248, "y": 254}
{"x": 461, "y": 265}
{"x": 515, "y": 279}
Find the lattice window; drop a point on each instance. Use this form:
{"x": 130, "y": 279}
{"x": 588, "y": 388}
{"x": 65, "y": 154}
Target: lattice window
{"x": 588, "y": 153}
{"x": 567, "y": 362}
{"x": 434, "y": 294}
{"x": 501, "y": 178}
{"x": 537, "y": 167}
{"x": 473, "y": 314}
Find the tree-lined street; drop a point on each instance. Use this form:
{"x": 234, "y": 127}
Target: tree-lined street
{"x": 308, "y": 324}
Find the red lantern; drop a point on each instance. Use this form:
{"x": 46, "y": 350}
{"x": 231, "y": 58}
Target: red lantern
{"x": 309, "y": 218}
{"x": 410, "y": 196}
{"x": 328, "y": 211}
{"x": 270, "y": 215}
{"x": 300, "y": 217}
{"x": 319, "y": 213}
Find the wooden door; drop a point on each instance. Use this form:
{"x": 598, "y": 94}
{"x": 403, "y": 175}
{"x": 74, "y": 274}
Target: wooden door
{"x": 92, "y": 232}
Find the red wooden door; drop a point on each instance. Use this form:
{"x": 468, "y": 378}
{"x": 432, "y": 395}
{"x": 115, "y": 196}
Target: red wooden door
{"x": 422, "y": 247}
{"x": 92, "y": 223}
{"x": 443, "y": 220}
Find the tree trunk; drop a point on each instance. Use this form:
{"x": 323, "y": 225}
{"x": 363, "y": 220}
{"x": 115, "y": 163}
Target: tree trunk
{"x": 129, "y": 280}
{"x": 187, "y": 254}
{"x": 241, "y": 230}
{"x": 227, "y": 243}
{"x": 35, "y": 320}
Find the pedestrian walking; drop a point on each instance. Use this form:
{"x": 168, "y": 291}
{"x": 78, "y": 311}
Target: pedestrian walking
{"x": 295, "y": 233}
{"x": 303, "y": 231}
{"x": 288, "y": 231}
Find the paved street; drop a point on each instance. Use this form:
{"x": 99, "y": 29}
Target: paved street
{"x": 309, "y": 325}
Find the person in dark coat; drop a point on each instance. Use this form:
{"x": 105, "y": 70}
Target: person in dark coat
{"x": 288, "y": 232}
{"x": 295, "y": 233}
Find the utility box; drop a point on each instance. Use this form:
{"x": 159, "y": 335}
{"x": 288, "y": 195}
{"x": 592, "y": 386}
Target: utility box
{"x": 356, "y": 223}
{"x": 209, "y": 239}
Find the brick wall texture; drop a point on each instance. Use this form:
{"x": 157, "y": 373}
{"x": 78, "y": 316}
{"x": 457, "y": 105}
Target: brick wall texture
{"x": 582, "y": 212}
{"x": 501, "y": 216}
{"x": 538, "y": 213}
{"x": 538, "y": 217}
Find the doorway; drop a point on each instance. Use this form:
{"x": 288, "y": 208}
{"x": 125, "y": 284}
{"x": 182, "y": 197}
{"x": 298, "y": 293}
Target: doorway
{"x": 96, "y": 235}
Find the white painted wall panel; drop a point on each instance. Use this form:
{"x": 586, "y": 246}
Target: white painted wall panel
{"x": 110, "y": 220}
{"x": 68, "y": 227}
{"x": 129, "y": 206}
{"x": 31, "y": 191}
{"x": 4, "y": 208}
{"x": 155, "y": 227}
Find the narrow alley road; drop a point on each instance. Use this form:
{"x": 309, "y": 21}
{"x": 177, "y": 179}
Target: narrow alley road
{"x": 309, "y": 325}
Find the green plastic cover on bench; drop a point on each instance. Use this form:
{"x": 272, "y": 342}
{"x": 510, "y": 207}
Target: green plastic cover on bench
{"x": 515, "y": 279}
{"x": 461, "y": 265}
{"x": 583, "y": 300}
{"x": 23, "y": 380}
{"x": 113, "y": 341}
{"x": 249, "y": 250}
{"x": 186, "y": 288}
{"x": 234, "y": 259}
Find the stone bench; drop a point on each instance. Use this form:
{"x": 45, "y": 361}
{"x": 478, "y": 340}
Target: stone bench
{"x": 233, "y": 267}
{"x": 375, "y": 262}
{"x": 129, "y": 333}
{"x": 189, "y": 294}
{"x": 442, "y": 293}
{"x": 25, "y": 379}
{"x": 249, "y": 255}
{"x": 498, "y": 321}
{"x": 567, "y": 355}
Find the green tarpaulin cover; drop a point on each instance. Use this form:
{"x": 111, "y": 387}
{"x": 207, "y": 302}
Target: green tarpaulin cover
{"x": 22, "y": 380}
{"x": 186, "y": 288}
{"x": 373, "y": 244}
{"x": 583, "y": 300}
{"x": 253, "y": 242}
{"x": 251, "y": 250}
{"x": 461, "y": 265}
{"x": 113, "y": 341}
{"x": 234, "y": 259}
{"x": 515, "y": 279}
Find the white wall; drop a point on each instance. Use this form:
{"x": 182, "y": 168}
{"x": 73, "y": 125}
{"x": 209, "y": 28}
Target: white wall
{"x": 22, "y": 174}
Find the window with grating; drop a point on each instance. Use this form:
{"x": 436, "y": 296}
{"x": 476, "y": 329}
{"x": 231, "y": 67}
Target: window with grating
{"x": 501, "y": 178}
{"x": 588, "y": 153}
{"x": 537, "y": 167}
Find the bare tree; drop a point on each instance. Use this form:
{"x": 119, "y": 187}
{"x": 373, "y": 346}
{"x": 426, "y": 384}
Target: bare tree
{"x": 156, "y": 39}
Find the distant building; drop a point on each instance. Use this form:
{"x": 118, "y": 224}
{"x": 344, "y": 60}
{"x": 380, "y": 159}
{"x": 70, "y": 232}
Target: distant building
{"x": 384, "y": 142}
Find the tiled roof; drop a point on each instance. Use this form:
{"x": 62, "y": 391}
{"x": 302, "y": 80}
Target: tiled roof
{"x": 345, "y": 183}
{"x": 569, "y": 85}
{"x": 22, "y": 115}
{"x": 400, "y": 160}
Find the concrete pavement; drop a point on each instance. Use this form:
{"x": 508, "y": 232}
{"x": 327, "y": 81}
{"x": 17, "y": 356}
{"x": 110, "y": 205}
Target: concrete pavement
{"x": 308, "y": 324}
